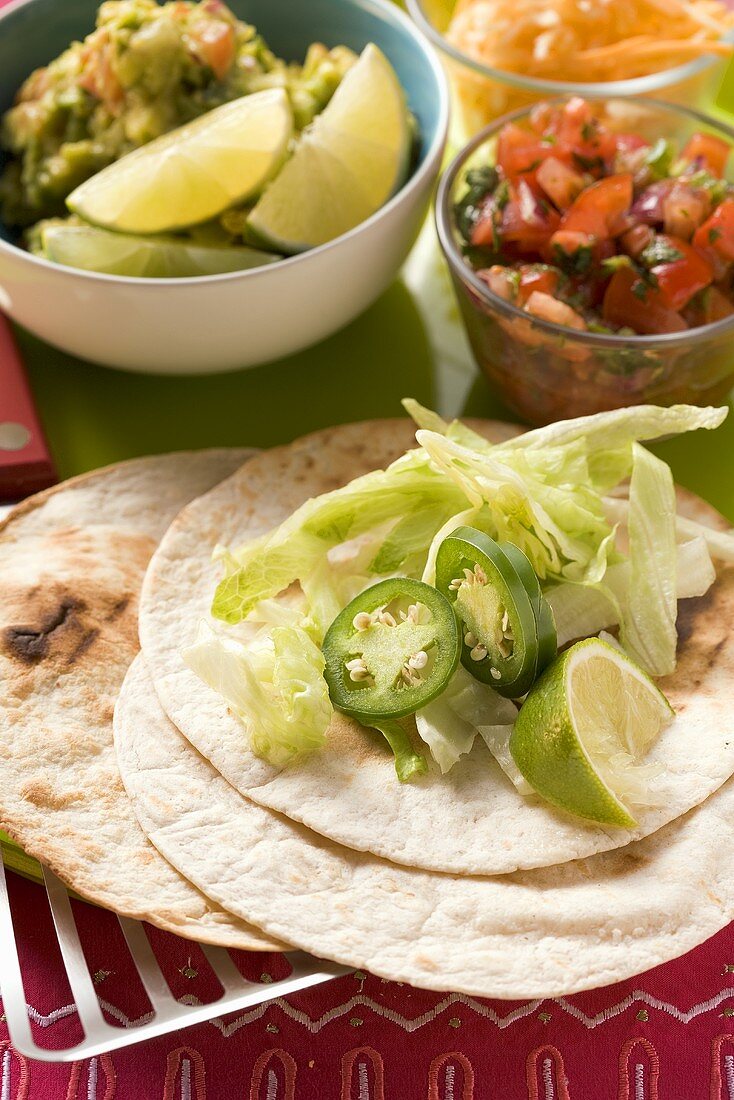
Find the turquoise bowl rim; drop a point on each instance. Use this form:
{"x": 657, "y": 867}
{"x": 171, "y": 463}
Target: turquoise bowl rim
{"x": 388, "y": 12}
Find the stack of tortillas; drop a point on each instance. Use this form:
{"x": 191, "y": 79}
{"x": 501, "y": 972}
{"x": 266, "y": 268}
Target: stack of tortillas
{"x": 450, "y": 882}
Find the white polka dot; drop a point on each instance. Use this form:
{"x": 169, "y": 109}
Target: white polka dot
{"x": 13, "y": 437}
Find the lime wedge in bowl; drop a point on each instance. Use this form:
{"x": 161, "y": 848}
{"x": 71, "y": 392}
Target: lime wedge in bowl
{"x": 83, "y": 246}
{"x": 194, "y": 172}
{"x": 347, "y": 164}
{"x": 583, "y": 730}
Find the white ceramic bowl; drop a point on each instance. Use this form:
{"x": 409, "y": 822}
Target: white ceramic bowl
{"x": 225, "y": 322}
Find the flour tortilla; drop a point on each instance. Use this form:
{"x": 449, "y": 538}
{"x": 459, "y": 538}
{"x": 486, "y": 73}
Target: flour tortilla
{"x": 540, "y": 933}
{"x": 72, "y": 560}
{"x": 348, "y": 791}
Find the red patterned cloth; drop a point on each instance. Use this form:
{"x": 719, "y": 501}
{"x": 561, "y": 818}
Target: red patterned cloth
{"x": 667, "y": 1035}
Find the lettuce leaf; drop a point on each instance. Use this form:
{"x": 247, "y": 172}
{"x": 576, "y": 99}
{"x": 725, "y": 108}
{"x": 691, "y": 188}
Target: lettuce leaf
{"x": 449, "y": 724}
{"x": 410, "y": 487}
{"x": 582, "y": 611}
{"x": 608, "y": 431}
{"x": 278, "y": 692}
{"x": 560, "y": 526}
{"x": 720, "y": 543}
{"x": 648, "y": 625}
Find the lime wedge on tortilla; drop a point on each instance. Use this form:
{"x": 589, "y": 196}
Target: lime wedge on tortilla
{"x": 583, "y": 730}
{"x": 347, "y": 164}
{"x": 91, "y": 249}
{"x": 194, "y": 172}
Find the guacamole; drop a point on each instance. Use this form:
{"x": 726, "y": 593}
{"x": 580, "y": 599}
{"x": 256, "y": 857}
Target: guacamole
{"x": 146, "y": 69}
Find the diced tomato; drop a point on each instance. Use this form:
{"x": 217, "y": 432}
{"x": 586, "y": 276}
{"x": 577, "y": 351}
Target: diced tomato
{"x": 519, "y": 151}
{"x": 713, "y": 306}
{"x": 499, "y": 280}
{"x": 214, "y": 45}
{"x": 628, "y": 143}
{"x": 560, "y": 183}
{"x": 718, "y": 232}
{"x": 707, "y": 151}
{"x": 620, "y": 223}
{"x": 537, "y": 278}
{"x": 595, "y": 210}
{"x": 570, "y": 241}
{"x": 526, "y": 220}
{"x": 630, "y": 153}
{"x": 574, "y": 120}
{"x": 635, "y": 240}
{"x": 717, "y": 306}
{"x": 679, "y": 280}
{"x": 684, "y": 209}
{"x": 552, "y": 309}
{"x": 579, "y": 132}
{"x": 483, "y": 232}
{"x": 629, "y": 301}
{"x": 543, "y": 118}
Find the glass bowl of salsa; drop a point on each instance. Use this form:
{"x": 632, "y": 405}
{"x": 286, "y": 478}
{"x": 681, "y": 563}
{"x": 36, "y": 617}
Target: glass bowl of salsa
{"x": 591, "y": 247}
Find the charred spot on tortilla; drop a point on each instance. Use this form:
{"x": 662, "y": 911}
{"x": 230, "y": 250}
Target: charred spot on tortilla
{"x": 689, "y": 610}
{"x": 30, "y": 644}
{"x": 65, "y": 632}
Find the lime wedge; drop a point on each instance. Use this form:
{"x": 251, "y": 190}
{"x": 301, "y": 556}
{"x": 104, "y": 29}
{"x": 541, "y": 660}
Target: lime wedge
{"x": 93, "y": 249}
{"x": 193, "y": 173}
{"x": 347, "y": 164}
{"x": 583, "y": 730}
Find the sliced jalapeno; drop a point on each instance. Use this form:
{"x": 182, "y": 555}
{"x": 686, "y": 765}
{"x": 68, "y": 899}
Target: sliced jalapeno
{"x": 498, "y": 620}
{"x": 547, "y": 636}
{"x": 391, "y": 650}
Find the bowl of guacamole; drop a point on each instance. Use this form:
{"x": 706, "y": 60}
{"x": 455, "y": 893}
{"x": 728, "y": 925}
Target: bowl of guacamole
{"x": 83, "y": 88}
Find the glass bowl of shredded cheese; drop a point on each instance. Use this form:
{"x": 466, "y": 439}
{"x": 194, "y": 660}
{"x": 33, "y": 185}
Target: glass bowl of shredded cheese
{"x": 506, "y": 54}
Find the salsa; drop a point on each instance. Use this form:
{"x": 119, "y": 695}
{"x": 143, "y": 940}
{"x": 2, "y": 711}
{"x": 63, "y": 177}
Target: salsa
{"x": 602, "y": 231}
{"x": 146, "y": 69}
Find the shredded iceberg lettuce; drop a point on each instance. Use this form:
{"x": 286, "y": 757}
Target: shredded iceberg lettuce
{"x": 546, "y": 491}
{"x": 648, "y": 624}
{"x": 450, "y": 723}
{"x": 278, "y": 692}
{"x": 266, "y": 567}
{"x": 582, "y": 610}
{"x": 556, "y": 518}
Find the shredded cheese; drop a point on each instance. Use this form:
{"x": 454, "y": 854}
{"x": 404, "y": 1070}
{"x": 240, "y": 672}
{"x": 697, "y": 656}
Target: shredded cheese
{"x": 589, "y": 40}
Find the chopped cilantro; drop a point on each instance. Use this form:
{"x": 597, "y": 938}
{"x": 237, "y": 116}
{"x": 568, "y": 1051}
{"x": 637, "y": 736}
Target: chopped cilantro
{"x": 613, "y": 263}
{"x": 480, "y": 183}
{"x": 502, "y": 195}
{"x": 639, "y": 289}
{"x": 478, "y": 257}
{"x": 589, "y": 129}
{"x": 660, "y": 252}
{"x": 482, "y": 179}
{"x": 573, "y": 263}
{"x": 717, "y": 189}
{"x": 659, "y": 159}
{"x": 588, "y": 164}
{"x": 714, "y": 234}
